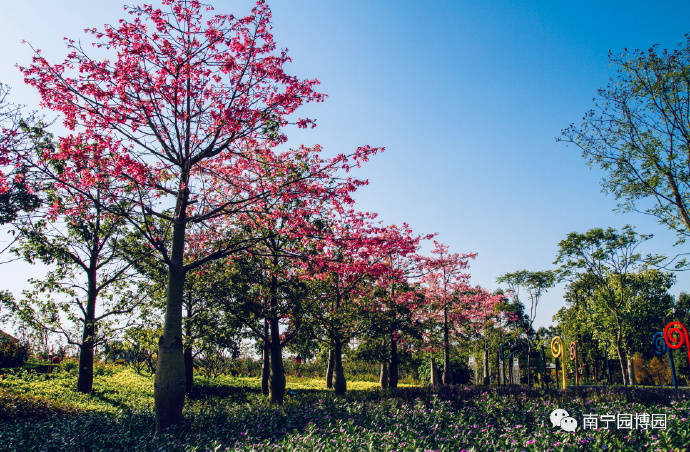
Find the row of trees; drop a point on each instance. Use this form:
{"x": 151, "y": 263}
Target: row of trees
{"x": 638, "y": 132}
{"x": 172, "y": 192}
{"x": 616, "y": 298}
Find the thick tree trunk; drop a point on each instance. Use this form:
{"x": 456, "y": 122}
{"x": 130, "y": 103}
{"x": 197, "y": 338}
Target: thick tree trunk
{"x": 393, "y": 380}
{"x": 383, "y": 376}
{"x": 188, "y": 369}
{"x": 86, "y": 350}
{"x": 331, "y": 366}
{"x": 434, "y": 373}
{"x": 446, "y": 349}
{"x": 340, "y": 385}
{"x": 187, "y": 354}
{"x": 277, "y": 386}
{"x": 266, "y": 362}
{"x": 503, "y": 369}
{"x": 170, "y": 381}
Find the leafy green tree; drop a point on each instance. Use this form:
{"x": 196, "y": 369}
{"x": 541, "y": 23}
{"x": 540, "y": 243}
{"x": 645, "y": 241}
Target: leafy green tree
{"x": 87, "y": 286}
{"x": 15, "y": 137}
{"x": 639, "y": 132}
{"x": 535, "y": 283}
{"x": 609, "y": 257}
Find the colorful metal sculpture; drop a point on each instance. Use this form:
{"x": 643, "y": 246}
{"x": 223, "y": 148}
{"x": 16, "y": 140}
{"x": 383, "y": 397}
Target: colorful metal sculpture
{"x": 556, "y": 351}
{"x": 675, "y": 335}
{"x": 660, "y": 348}
{"x": 573, "y": 357}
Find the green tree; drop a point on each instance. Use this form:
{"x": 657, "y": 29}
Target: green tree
{"x": 609, "y": 258}
{"x": 639, "y": 132}
{"x": 535, "y": 283}
{"x": 15, "y": 137}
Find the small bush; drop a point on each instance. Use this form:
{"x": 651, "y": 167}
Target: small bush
{"x": 460, "y": 372}
{"x": 18, "y": 406}
{"x": 12, "y": 353}
{"x": 69, "y": 365}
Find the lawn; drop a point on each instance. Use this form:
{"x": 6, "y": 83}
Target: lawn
{"x": 43, "y": 412}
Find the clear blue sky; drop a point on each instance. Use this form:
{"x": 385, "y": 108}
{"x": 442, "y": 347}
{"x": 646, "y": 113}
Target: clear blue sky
{"x": 467, "y": 97}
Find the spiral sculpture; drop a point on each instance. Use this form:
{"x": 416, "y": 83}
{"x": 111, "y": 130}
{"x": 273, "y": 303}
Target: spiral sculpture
{"x": 556, "y": 351}
{"x": 660, "y": 347}
{"x": 556, "y": 346}
{"x": 573, "y": 357}
{"x": 659, "y": 344}
{"x": 573, "y": 351}
{"x": 675, "y": 335}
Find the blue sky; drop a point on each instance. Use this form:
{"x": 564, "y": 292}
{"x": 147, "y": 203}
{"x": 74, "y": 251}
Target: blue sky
{"x": 467, "y": 97}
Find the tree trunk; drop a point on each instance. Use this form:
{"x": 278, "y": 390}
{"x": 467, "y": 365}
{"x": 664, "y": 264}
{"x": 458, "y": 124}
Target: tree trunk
{"x": 499, "y": 377}
{"x": 86, "y": 350}
{"x": 340, "y": 385}
{"x": 188, "y": 357}
{"x": 516, "y": 370}
{"x": 619, "y": 337}
{"x": 393, "y": 371}
{"x": 485, "y": 365}
{"x": 631, "y": 369}
{"x": 545, "y": 377}
{"x": 188, "y": 369}
{"x": 577, "y": 367}
{"x": 383, "y": 376}
{"x": 503, "y": 368}
{"x": 277, "y": 386}
{"x": 620, "y": 361}
{"x": 393, "y": 380}
{"x": 529, "y": 364}
{"x": 169, "y": 383}
{"x": 266, "y": 361}
{"x": 331, "y": 366}
{"x": 434, "y": 373}
{"x": 446, "y": 349}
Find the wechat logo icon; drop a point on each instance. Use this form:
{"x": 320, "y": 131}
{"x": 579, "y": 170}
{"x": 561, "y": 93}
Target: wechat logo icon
{"x": 561, "y": 418}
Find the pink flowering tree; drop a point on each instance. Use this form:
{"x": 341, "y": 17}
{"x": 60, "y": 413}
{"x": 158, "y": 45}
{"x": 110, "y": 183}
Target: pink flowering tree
{"x": 451, "y": 302}
{"x": 394, "y": 296}
{"x": 290, "y": 234}
{"x": 445, "y": 277}
{"x": 353, "y": 256}
{"x": 185, "y": 111}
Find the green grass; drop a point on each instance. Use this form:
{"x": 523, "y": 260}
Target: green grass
{"x": 44, "y": 412}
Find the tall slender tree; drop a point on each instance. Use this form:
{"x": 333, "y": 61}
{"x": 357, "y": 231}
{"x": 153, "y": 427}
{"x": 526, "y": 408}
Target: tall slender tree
{"x": 535, "y": 283}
